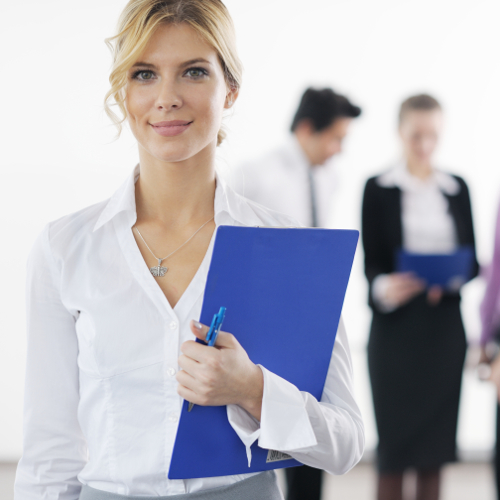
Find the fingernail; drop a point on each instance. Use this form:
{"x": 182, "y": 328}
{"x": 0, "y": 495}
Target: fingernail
{"x": 197, "y": 325}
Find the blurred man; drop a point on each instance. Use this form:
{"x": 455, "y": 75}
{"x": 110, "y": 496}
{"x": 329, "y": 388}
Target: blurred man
{"x": 296, "y": 178}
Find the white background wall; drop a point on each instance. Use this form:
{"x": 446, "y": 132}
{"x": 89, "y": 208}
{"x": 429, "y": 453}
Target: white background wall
{"x": 57, "y": 154}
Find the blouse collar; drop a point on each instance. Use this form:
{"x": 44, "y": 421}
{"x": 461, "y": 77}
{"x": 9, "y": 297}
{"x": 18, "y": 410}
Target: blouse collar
{"x": 226, "y": 201}
{"x": 400, "y": 177}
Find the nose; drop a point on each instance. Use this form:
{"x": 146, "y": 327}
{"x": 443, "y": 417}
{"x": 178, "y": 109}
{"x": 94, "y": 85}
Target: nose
{"x": 168, "y": 96}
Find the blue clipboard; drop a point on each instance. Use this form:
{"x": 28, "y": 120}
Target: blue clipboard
{"x": 450, "y": 271}
{"x": 283, "y": 289}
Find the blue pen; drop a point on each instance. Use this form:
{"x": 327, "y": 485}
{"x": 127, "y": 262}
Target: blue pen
{"x": 212, "y": 334}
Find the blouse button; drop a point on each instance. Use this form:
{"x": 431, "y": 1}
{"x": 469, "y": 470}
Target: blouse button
{"x": 171, "y": 371}
{"x": 173, "y": 325}
{"x": 173, "y": 417}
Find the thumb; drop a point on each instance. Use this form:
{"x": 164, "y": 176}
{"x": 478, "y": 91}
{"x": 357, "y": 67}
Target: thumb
{"x": 199, "y": 329}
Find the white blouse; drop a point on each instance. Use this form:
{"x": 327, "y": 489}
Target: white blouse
{"x": 427, "y": 225}
{"x": 101, "y": 405}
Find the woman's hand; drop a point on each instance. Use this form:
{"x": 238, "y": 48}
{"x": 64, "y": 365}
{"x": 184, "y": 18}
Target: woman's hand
{"x": 219, "y": 375}
{"x": 434, "y": 295}
{"x": 402, "y": 287}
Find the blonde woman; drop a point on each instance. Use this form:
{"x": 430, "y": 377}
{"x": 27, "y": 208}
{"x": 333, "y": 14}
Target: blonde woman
{"x": 114, "y": 290}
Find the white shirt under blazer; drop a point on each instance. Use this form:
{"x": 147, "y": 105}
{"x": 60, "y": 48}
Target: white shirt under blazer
{"x": 101, "y": 406}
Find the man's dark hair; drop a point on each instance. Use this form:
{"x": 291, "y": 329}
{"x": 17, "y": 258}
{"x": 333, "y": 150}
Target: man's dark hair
{"x": 322, "y": 107}
{"x": 421, "y": 102}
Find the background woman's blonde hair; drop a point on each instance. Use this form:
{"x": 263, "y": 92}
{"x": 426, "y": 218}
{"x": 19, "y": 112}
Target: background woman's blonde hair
{"x": 138, "y": 22}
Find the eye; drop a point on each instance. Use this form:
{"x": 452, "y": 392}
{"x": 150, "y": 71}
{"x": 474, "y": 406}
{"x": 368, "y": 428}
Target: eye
{"x": 197, "y": 73}
{"x": 143, "y": 72}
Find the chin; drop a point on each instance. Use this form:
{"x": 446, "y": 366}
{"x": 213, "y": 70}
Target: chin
{"x": 173, "y": 151}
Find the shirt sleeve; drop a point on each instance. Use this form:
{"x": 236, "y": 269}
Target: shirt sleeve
{"x": 378, "y": 290}
{"x": 490, "y": 300}
{"x": 326, "y": 434}
{"x": 54, "y": 448}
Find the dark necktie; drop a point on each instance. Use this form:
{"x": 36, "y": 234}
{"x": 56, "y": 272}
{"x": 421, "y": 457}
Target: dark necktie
{"x": 312, "y": 191}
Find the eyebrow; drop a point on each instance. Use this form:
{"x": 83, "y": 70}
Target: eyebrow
{"x": 184, "y": 64}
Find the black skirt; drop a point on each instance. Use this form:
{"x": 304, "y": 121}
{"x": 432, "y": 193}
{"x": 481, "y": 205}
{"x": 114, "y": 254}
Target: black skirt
{"x": 416, "y": 356}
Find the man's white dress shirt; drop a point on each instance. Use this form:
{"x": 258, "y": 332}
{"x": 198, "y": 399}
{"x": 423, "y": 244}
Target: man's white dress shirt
{"x": 279, "y": 180}
{"x": 427, "y": 225}
{"x": 101, "y": 404}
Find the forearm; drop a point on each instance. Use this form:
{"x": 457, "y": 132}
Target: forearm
{"x": 253, "y": 394}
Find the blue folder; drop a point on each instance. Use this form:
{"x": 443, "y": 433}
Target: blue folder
{"x": 284, "y": 290}
{"x": 450, "y": 271}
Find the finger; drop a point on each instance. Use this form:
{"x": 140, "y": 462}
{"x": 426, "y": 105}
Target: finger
{"x": 434, "y": 295}
{"x": 409, "y": 292}
{"x": 411, "y": 288}
{"x": 196, "y": 351}
{"x": 199, "y": 329}
{"x": 187, "y": 394}
{"x": 403, "y": 275}
{"x": 189, "y": 364}
{"x": 185, "y": 379}
{"x": 415, "y": 282}
{"x": 227, "y": 340}
{"x": 407, "y": 276}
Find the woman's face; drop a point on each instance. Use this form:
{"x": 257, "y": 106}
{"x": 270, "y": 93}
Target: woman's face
{"x": 420, "y": 131}
{"x": 176, "y": 94}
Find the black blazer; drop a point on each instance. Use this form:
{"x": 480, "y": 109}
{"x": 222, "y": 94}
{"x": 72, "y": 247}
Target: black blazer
{"x": 381, "y": 227}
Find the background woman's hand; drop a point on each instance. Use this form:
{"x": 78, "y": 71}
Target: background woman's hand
{"x": 402, "y": 287}
{"x": 434, "y": 295}
{"x": 220, "y": 375}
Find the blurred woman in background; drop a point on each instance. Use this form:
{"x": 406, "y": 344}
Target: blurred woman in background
{"x": 417, "y": 343}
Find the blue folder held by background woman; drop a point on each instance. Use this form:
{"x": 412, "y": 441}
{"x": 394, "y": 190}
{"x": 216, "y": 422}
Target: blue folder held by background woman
{"x": 283, "y": 289}
{"x": 449, "y": 271}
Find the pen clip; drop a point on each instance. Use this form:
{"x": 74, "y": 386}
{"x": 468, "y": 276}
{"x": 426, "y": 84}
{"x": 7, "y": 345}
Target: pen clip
{"x": 214, "y": 332}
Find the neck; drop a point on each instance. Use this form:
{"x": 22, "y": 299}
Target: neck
{"x": 303, "y": 145}
{"x": 422, "y": 170}
{"x": 175, "y": 194}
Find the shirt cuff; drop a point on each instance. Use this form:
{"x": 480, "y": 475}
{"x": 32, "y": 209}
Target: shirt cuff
{"x": 284, "y": 424}
{"x": 379, "y": 288}
{"x": 245, "y": 425}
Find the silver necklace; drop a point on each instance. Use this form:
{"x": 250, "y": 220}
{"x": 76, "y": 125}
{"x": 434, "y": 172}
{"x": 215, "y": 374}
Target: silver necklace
{"x": 159, "y": 271}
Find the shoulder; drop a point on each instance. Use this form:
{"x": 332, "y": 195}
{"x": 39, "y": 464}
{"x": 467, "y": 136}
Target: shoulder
{"x": 371, "y": 183}
{"x": 461, "y": 181}
{"x": 73, "y": 230}
{"x": 451, "y": 184}
{"x": 382, "y": 182}
{"x": 253, "y": 213}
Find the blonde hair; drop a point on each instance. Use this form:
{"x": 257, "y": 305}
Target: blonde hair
{"x": 138, "y": 22}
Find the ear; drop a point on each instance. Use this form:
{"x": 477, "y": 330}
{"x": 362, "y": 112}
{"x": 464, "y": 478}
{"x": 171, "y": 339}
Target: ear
{"x": 231, "y": 97}
{"x": 304, "y": 127}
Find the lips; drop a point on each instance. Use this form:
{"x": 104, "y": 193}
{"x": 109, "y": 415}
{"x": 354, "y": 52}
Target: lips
{"x": 171, "y": 128}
